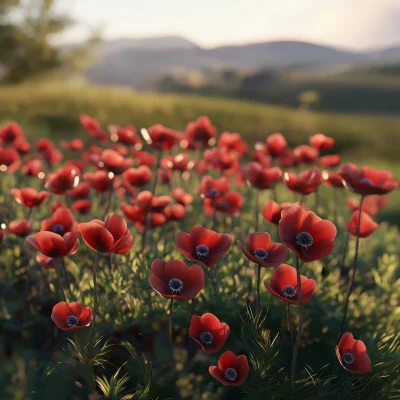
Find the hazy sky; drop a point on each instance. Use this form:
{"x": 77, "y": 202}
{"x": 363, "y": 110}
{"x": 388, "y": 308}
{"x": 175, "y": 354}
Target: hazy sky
{"x": 349, "y": 23}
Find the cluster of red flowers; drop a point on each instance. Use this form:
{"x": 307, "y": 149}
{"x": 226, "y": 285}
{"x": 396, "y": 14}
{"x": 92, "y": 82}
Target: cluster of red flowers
{"x": 124, "y": 171}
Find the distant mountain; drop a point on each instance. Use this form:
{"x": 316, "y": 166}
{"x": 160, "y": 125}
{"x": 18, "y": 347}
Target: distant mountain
{"x": 140, "y": 62}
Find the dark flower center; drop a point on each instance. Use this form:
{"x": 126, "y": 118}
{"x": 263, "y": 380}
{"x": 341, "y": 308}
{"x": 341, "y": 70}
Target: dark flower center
{"x": 72, "y": 321}
{"x": 347, "y": 358}
{"x": 288, "y": 291}
{"x": 175, "y": 285}
{"x": 202, "y": 251}
{"x": 230, "y": 374}
{"x": 213, "y": 192}
{"x": 206, "y": 338}
{"x": 49, "y": 261}
{"x": 262, "y": 254}
{"x": 366, "y": 181}
{"x": 59, "y": 229}
{"x": 304, "y": 239}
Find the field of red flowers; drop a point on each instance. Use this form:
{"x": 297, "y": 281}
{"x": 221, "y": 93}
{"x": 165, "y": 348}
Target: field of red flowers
{"x": 159, "y": 264}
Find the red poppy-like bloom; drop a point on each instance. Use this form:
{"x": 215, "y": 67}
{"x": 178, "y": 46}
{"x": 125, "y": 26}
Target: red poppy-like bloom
{"x": 331, "y": 179}
{"x": 179, "y": 162}
{"x": 182, "y": 197}
{"x": 59, "y": 182}
{"x": 79, "y": 164}
{"x": 306, "y": 154}
{"x": 232, "y": 370}
{"x": 308, "y": 236}
{"x": 105, "y": 237}
{"x": 126, "y": 247}
{"x": 61, "y": 222}
{"x": 284, "y": 285}
{"x": 120, "y": 148}
{"x": 213, "y": 188}
{"x": 32, "y": 167}
{"x": 321, "y": 142}
{"x": 29, "y": 197}
{"x": 231, "y": 203}
{"x": 367, "y": 225}
{"x": 367, "y": 180}
{"x": 82, "y": 206}
{"x": 161, "y": 137}
{"x": 233, "y": 142}
{"x": 221, "y": 159}
{"x": 175, "y": 280}
{"x": 352, "y": 355}
{"x": 306, "y": 182}
{"x": 20, "y": 228}
{"x": 125, "y": 135}
{"x": 10, "y": 133}
{"x": 262, "y": 178}
{"x": 330, "y": 161}
{"x": 203, "y": 245}
{"x": 175, "y": 213}
{"x": 93, "y": 127}
{"x": 9, "y": 160}
{"x": 261, "y": 251}
{"x": 262, "y": 158}
{"x": 208, "y": 332}
{"x": 138, "y": 176}
{"x": 55, "y": 246}
{"x": 22, "y": 145}
{"x": 100, "y": 181}
{"x": 145, "y": 158}
{"x": 74, "y": 144}
{"x": 371, "y": 204}
{"x": 134, "y": 213}
{"x": 44, "y": 261}
{"x": 272, "y": 211}
{"x": 71, "y": 317}
{"x": 112, "y": 161}
{"x": 287, "y": 158}
{"x": 201, "y": 132}
{"x": 80, "y": 192}
{"x": 276, "y": 144}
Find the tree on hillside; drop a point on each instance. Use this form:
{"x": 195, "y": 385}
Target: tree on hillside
{"x": 26, "y": 29}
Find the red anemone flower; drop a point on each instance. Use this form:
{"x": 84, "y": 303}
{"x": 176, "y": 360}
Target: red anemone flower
{"x": 182, "y": 197}
{"x": 352, "y": 355}
{"x": 20, "y": 228}
{"x": 308, "y": 236}
{"x": 175, "y": 213}
{"x": 80, "y": 192}
{"x": 203, "y": 245}
{"x": 145, "y": 158}
{"x": 55, "y": 246}
{"x": 105, "y": 237}
{"x": 126, "y": 247}
{"x": 331, "y": 179}
{"x": 112, "y": 161}
{"x": 306, "y": 154}
{"x": 230, "y": 203}
{"x": 74, "y": 145}
{"x": 44, "y": 261}
{"x": 330, "y": 161}
{"x": 134, "y": 213}
{"x": 262, "y": 178}
{"x": 32, "y": 167}
{"x": 22, "y": 145}
{"x": 232, "y": 370}
{"x": 366, "y": 180}
{"x": 71, "y": 317}
{"x": 61, "y": 222}
{"x": 232, "y": 142}
{"x": 208, "y": 332}
{"x": 9, "y": 160}
{"x": 93, "y": 127}
{"x": 138, "y": 176}
{"x": 175, "y": 280}
{"x": 367, "y": 225}
{"x": 82, "y": 206}
{"x": 276, "y": 144}
{"x": 100, "y": 181}
{"x": 161, "y": 137}
{"x": 305, "y": 183}
{"x": 201, "y": 132}
{"x": 213, "y": 188}
{"x": 284, "y": 285}
{"x": 272, "y": 211}
{"x": 371, "y": 204}
{"x": 178, "y": 162}
{"x": 321, "y": 142}
{"x": 29, "y": 197}
{"x": 125, "y": 135}
{"x": 261, "y": 251}
{"x": 59, "y": 182}
{"x": 221, "y": 159}
{"x": 10, "y": 133}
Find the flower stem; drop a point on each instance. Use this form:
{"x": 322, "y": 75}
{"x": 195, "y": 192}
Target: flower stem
{"x": 170, "y": 322}
{"x": 300, "y": 328}
{"x": 258, "y": 288}
{"x": 334, "y": 192}
{"x": 289, "y": 324}
{"x": 95, "y": 262}
{"x": 257, "y": 209}
{"x": 109, "y": 200}
{"x": 353, "y": 272}
{"x": 60, "y": 281}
